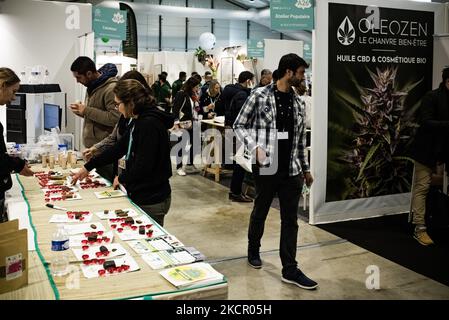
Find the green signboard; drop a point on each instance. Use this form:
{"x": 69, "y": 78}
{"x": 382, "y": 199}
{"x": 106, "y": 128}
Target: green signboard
{"x": 256, "y": 48}
{"x": 292, "y": 14}
{"x": 109, "y": 23}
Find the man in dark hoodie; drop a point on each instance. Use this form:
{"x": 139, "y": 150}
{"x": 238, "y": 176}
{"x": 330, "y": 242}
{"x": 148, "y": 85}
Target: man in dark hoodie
{"x": 430, "y": 148}
{"x": 98, "y": 111}
{"x": 146, "y": 147}
{"x": 234, "y": 96}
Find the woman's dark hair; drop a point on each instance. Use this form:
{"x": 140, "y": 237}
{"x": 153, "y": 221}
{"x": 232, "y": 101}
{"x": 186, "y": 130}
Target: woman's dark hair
{"x": 132, "y": 91}
{"x": 291, "y": 62}
{"x": 197, "y": 77}
{"x": 188, "y": 86}
{"x": 136, "y": 75}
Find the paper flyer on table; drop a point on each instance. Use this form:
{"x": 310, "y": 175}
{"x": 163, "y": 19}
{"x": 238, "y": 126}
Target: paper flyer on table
{"x": 172, "y": 240}
{"x": 108, "y": 194}
{"x": 149, "y": 245}
{"x": 194, "y": 274}
{"x": 167, "y": 258}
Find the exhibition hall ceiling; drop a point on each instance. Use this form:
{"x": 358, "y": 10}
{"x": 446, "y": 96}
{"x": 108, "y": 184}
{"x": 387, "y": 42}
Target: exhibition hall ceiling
{"x": 257, "y": 4}
{"x": 247, "y": 4}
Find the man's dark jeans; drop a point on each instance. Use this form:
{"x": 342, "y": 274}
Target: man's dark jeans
{"x": 289, "y": 192}
{"x": 238, "y": 175}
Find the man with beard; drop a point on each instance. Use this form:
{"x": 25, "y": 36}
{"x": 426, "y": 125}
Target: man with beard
{"x": 99, "y": 111}
{"x": 271, "y": 124}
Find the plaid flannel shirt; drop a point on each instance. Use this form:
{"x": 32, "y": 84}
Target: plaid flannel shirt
{"x": 255, "y": 126}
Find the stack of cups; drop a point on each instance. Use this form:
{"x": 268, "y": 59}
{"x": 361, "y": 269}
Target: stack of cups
{"x": 71, "y": 159}
{"x": 63, "y": 161}
{"x": 51, "y": 162}
{"x": 44, "y": 161}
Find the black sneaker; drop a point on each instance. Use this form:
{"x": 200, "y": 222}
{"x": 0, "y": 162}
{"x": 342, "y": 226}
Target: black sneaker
{"x": 301, "y": 280}
{"x": 238, "y": 198}
{"x": 254, "y": 261}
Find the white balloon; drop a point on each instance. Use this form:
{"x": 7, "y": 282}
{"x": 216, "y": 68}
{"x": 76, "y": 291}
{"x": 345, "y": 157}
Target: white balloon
{"x": 207, "y": 41}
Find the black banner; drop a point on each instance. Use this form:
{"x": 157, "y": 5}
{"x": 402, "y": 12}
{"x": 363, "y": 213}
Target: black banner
{"x": 130, "y": 47}
{"x": 380, "y": 66}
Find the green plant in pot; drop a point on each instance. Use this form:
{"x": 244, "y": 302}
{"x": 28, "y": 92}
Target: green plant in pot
{"x": 201, "y": 55}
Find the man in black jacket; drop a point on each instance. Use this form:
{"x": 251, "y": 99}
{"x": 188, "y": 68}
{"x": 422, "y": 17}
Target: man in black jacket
{"x": 234, "y": 96}
{"x": 429, "y": 148}
{"x": 9, "y": 85}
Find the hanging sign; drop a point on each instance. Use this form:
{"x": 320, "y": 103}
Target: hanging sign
{"x": 256, "y": 48}
{"x": 292, "y": 14}
{"x": 109, "y": 23}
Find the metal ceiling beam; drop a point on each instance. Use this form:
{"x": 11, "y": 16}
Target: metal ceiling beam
{"x": 237, "y": 4}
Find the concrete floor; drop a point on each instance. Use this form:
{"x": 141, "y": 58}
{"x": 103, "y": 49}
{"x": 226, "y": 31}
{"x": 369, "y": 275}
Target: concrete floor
{"x": 202, "y": 216}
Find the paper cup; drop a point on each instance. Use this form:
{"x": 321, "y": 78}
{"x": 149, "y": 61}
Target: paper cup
{"x": 44, "y": 161}
{"x": 63, "y": 162}
{"x": 51, "y": 162}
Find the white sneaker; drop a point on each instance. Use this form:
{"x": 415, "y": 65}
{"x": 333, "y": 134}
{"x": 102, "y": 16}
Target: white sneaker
{"x": 181, "y": 172}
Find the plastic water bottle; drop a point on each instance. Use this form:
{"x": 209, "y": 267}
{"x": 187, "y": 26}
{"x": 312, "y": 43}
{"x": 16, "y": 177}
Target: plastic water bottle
{"x": 59, "y": 247}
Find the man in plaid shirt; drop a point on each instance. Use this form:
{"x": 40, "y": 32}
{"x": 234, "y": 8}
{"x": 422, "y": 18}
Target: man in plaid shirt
{"x": 271, "y": 124}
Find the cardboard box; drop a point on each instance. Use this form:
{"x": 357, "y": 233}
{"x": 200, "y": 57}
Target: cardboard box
{"x": 13, "y": 256}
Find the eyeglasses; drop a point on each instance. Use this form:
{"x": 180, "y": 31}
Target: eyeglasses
{"x": 117, "y": 104}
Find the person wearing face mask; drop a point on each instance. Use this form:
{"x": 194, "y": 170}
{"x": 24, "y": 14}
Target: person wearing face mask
{"x": 98, "y": 111}
{"x": 276, "y": 113}
{"x": 9, "y": 85}
{"x": 429, "y": 148}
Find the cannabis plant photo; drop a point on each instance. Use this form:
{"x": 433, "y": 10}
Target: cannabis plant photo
{"x": 370, "y": 136}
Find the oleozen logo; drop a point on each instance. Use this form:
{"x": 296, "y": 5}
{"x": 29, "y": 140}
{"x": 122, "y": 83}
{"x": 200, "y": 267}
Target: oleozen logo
{"x": 346, "y": 32}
